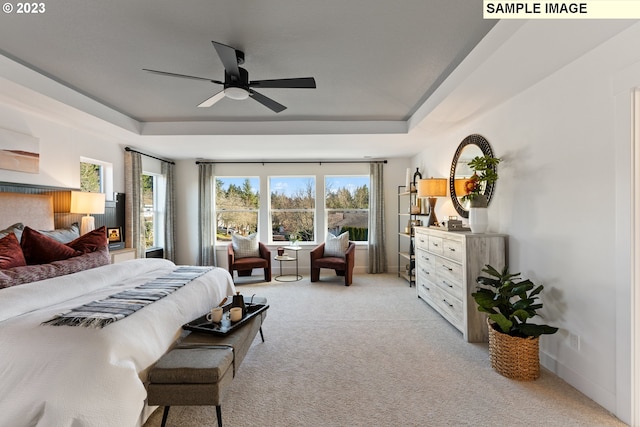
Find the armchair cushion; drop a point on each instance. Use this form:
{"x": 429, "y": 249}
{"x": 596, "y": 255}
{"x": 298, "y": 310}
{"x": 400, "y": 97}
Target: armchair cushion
{"x": 245, "y": 247}
{"x": 336, "y": 246}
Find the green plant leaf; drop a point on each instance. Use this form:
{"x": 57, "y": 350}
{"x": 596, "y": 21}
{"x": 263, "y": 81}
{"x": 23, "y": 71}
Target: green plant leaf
{"x": 523, "y": 315}
{"x": 536, "y": 291}
{"x": 533, "y": 330}
{"x": 503, "y": 323}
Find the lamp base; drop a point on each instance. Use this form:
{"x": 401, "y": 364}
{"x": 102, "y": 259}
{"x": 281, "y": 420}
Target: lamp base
{"x": 88, "y": 224}
{"x": 433, "y": 220}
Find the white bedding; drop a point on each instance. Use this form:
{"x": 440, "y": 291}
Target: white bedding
{"x": 63, "y": 376}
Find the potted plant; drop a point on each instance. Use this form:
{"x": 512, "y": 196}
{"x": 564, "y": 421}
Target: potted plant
{"x": 509, "y": 303}
{"x": 484, "y": 173}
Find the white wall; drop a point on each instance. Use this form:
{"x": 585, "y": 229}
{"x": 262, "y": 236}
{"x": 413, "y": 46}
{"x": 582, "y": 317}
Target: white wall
{"x": 187, "y": 190}
{"x": 61, "y": 146}
{"x": 563, "y": 199}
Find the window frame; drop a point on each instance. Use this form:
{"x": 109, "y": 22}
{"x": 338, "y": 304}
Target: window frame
{"x": 312, "y": 210}
{"x": 215, "y": 203}
{"x": 327, "y": 210}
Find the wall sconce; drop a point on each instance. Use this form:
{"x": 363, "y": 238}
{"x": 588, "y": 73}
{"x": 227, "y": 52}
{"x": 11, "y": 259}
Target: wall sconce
{"x": 87, "y": 203}
{"x": 432, "y": 188}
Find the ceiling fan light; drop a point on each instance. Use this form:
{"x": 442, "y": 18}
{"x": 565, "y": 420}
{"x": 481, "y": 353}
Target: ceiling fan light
{"x": 236, "y": 93}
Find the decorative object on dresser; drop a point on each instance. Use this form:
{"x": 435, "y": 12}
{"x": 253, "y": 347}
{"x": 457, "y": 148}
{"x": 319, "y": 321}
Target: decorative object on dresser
{"x": 83, "y": 202}
{"x": 447, "y": 264}
{"x": 432, "y": 188}
{"x": 513, "y": 343}
{"x": 484, "y": 173}
{"x": 471, "y": 147}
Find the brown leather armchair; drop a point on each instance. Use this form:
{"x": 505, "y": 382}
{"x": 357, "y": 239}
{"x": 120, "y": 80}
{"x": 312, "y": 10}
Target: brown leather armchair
{"x": 244, "y": 266}
{"x": 342, "y": 266}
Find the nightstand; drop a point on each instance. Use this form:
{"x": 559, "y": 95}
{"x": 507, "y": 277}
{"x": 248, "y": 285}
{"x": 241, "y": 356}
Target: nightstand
{"x": 121, "y": 255}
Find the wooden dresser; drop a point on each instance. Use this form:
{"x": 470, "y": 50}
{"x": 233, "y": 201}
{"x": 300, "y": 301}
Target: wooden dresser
{"x": 447, "y": 265}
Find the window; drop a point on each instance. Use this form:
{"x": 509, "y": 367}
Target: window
{"x": 237, "y": 206}
{"x": 152, "y": 192}
{"x": 347, "y": 206}
{"x": 292, "y": 208}
{"x": 91, "y": 177}
{"x": 96, "y": 176}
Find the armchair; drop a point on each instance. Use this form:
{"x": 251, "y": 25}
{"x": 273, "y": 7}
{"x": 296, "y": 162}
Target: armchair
{"x": 342, "y": 266}
{"x": 244, "y": 266}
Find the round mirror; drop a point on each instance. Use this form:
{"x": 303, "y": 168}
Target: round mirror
{"x": 470, "y": 147}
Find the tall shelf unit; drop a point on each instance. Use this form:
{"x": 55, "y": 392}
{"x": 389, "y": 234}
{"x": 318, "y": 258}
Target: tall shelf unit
{"x": 406, "y": 234}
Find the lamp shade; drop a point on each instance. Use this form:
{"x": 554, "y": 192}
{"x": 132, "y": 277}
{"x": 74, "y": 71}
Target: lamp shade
{"x": 459, "y": 184}
{"x": 432, "y": 187}
{"x": 87, "y": 203}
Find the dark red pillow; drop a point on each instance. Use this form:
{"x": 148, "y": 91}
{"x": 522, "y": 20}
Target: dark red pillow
{"x": 10, "y": 252}
{"x": 40, "y": 249}
{"x": 90, "y": 242}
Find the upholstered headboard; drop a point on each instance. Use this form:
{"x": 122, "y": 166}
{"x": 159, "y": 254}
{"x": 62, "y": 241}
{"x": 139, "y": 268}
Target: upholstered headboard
{"x": 33, "y": 210}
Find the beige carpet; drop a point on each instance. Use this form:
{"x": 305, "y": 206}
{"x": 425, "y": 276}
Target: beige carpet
{"x": 373, "y": 354}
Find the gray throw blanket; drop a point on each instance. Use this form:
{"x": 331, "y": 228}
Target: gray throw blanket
{"x": 98, "y": 314}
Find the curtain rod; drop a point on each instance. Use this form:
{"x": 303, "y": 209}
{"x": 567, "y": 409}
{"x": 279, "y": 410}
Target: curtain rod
{"x": 266, "y": 162}
{"x": 149, "y": 155}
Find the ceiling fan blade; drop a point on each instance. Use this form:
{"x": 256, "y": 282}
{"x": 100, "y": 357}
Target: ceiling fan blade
{"x": 229, "y": 59}
{"x": 267, "y": 102}
{"x": 164, "y": 73}
{"x": 301, "y": 83}
{"x": 212, "y": 100}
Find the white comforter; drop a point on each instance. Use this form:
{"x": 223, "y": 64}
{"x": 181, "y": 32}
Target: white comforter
{"x": 63, "y": 376}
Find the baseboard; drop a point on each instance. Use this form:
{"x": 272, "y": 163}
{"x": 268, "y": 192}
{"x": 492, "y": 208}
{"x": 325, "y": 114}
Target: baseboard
{"x": 602, "y": 397}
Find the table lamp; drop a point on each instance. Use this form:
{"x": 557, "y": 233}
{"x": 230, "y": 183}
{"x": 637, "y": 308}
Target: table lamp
{"x": 432, "y": 188}
{"x": 87, "y": 203}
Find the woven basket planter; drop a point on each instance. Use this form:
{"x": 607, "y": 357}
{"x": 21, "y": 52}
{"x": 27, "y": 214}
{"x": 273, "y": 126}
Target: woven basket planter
{"x": 514, "y": 357}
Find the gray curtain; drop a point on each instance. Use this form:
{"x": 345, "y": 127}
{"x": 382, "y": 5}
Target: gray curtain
{"x": 377, "y": 252}
{"x": 134, "y": 235}
{"x": 169, "y": 211}
{"x": 206, "y": 221}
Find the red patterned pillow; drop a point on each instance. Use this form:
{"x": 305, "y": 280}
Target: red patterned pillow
{"x": 40, "y": 249}
{"x": 10, "y": 252}
{"x": 90, "y": 242}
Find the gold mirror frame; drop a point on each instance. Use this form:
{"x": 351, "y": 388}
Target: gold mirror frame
{"x": 470, "y": 142}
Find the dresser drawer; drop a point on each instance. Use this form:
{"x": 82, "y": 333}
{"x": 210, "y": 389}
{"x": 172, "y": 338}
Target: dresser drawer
{"x": 426, "y": 272}
{"x": 435, "y": 245}
{"x": 425, "y": 258}
{"x": 422, "y": 241}
{"x": 453, "y": 308}
{"x": 427, "y": 290}
{"x": 449, "y": 277}
{"x": 452, "y": 249}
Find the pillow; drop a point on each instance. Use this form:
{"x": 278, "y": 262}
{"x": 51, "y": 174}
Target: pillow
{"x": 15, "y": 229}
{"x": 91, "y": 241}
{"x": 63, "y": 235}
{"x": 34, "y": 273}
{"x": 336, "y": 246}
{"x": 40, "y": 249}
{"x": 245, "y": 247}
{"x": 11, "y": 252}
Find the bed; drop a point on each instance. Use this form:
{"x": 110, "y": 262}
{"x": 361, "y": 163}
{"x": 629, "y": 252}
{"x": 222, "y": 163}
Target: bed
{"x": 82, "y": 376}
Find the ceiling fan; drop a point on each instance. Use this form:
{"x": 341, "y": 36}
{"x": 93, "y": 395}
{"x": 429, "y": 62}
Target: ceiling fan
{"x": 236, "y": 83}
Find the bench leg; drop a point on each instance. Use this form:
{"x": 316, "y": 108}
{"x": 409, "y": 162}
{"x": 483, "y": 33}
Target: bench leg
{"x": 261, "y": 336}
{"x": 165, "y": 414}
{"x": 219, "y": 415}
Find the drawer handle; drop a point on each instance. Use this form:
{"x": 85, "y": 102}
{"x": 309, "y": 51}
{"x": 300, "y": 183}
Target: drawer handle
{"x": 446, "y": 302}
{"x": 421, "y": 240}
{"x": 435, "y": 244}
{"x": 445, "y": 282}
{"x": 448, "y": 268}
{"x": 452, "y": 249}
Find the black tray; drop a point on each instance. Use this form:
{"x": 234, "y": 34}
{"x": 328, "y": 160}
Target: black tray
{"x": 201, "y": 324}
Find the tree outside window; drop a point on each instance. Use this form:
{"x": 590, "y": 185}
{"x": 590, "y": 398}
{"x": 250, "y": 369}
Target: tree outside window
{"x": 149, "y": 202}
{"x": 292, "y": 203}
{"x": 347, "y": 206}
{"x": 90, "y": 177}
{"x": 237, "y": 206}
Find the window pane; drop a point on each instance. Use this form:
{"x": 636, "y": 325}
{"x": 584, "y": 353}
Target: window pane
{"x": 293, "y": 208}
{"x": 90, "y": 177}
{"x": 148, "y": 199}
{"x": 237, "y": 204}
{"x": 347, "y": 204}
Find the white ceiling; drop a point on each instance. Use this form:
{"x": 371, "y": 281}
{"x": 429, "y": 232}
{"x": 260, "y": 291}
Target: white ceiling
{"x": 375, "y": 61}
